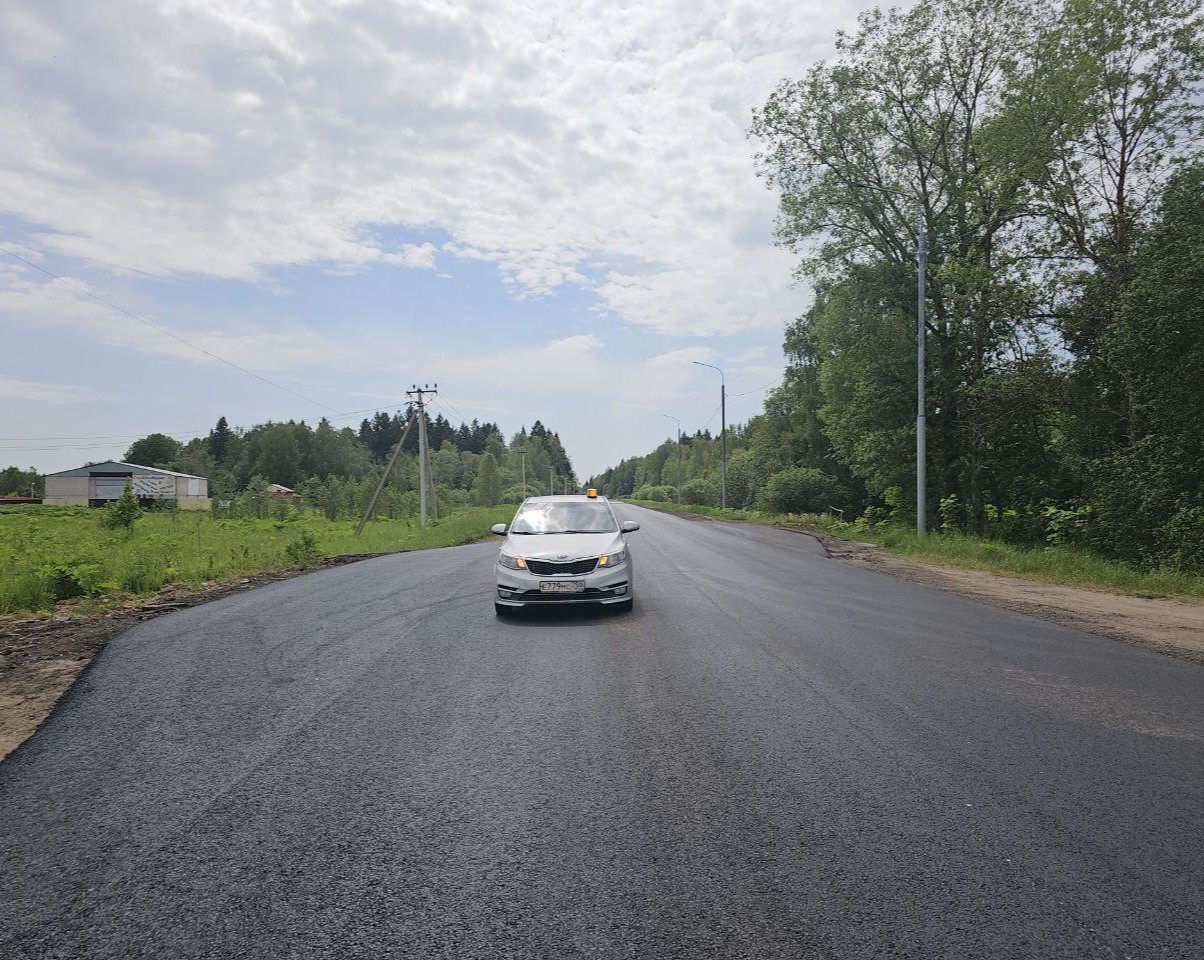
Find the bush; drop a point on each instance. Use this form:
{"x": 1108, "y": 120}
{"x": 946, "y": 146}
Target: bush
{"x": 303, "y": 551}
{"x": 659, "y": 493}
{"x": 69, "y": 578}
{"x": 1068, "y": 526}
{"x": 122, "y": 512}
{"x": 703, "y": 491}
{"x": 801, "y": 490}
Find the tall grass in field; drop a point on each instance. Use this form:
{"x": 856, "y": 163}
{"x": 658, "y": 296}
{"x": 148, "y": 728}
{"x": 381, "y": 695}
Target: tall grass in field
{"x": 49, "y": 554}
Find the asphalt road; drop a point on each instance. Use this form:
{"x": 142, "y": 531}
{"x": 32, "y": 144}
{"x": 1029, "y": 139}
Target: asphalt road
{"x": 775, "y": 755}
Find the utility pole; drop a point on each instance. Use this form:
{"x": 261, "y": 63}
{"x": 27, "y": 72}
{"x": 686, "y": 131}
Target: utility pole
{"x": 722, "y": 430}
{"x": 385, "y": 476}
{"x": 523, "y": 460}
{"x": 921, "y": 336}
{"x": 668, "y": 416}
{"x": 921, "y": 417}
{"x": 552, "y": 481}
{"x": 424, "y": 462}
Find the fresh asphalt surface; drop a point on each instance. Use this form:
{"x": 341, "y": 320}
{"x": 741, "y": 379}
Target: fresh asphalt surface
{"x": 775, "y": 755}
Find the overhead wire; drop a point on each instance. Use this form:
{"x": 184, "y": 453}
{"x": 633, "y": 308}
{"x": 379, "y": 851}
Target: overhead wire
{"x": 757, "y": 389}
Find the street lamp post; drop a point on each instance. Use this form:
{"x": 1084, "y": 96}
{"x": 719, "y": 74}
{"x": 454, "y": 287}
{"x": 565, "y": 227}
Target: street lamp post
{"x": 722, "y": 430}
{"x": 921, "y": 418}
{"x": 668, "y": 416}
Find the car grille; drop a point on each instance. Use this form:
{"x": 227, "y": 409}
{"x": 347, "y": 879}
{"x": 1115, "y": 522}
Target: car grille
{"x": 550, "y": 568}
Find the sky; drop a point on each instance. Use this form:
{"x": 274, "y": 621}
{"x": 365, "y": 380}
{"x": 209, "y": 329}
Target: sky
{"x": 548, "y": 208}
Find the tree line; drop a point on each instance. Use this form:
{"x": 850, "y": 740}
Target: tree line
{"x": 1050, "y": 155}
{"x": 336, "y": 470}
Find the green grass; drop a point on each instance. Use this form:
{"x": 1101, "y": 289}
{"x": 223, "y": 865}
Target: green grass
{"x": 1068, "y": 566}
{"x": 48, "y": 554}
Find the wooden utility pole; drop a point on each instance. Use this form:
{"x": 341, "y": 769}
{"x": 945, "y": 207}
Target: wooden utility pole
{"x": 424, "y": 460}
{"x": 385, "y": 476}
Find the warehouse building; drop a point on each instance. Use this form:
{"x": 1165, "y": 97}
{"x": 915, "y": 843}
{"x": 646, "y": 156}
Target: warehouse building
{"x": 99, "y": 483}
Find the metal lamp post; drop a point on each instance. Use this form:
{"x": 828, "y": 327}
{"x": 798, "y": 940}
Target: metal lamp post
{"x": 921, "y": 418}
{"x": 669, "y": 416}
{"x": 722, "y": 429}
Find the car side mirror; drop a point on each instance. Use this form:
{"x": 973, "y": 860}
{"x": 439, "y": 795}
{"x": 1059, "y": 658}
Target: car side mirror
{"x": 499, "y": 529}
{"x": 629, "y": 526}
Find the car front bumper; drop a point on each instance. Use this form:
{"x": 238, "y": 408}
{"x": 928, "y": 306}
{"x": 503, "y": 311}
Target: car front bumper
{"x": 520, "y": 588}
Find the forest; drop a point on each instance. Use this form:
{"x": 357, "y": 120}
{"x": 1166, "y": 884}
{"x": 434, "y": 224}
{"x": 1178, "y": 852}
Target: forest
{"x": 1050, "y": 156}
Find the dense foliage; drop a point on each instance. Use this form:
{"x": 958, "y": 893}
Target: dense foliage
{"x": 1050, "y": 155}
{"x": 335, "y": 471}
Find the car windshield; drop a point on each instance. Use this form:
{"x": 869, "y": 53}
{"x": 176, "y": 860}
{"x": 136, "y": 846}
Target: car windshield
{"x": 565, "y": 516}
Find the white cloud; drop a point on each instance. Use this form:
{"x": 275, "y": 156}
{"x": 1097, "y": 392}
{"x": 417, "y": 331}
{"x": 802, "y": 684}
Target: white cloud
{"x": 420, "y": 256}
{"x": 222, "y": 139}
{"x": 285, "y": 345}
{"x": 31, "y": 391}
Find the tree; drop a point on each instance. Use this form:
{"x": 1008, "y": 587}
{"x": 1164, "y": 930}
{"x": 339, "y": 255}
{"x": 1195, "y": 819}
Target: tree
{"x": 122, "y": 513}
{"x": 1149, "y": 492}
{"x": 279, "y": 456}
{"x": 15, "y": 482}
{"x": 485, "y": 488}
{"x": 219, "y": 441}
{"x": 153, "y": 450}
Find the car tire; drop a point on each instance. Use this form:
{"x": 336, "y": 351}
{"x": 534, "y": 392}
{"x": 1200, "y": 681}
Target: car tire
{"x": 501, "y": 609}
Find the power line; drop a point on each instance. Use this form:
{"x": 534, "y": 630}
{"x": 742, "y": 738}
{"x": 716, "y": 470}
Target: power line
{"x": 166, "y": 332}
{"x": 710, "y": 418}
{"x": 758, "y": 389}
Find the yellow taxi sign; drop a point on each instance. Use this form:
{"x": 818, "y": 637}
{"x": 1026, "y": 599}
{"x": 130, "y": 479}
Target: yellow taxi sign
{"x": 591, "y": 493}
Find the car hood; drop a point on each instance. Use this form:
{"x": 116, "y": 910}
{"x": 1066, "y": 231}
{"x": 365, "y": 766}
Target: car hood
{"x": 570, "y": 546}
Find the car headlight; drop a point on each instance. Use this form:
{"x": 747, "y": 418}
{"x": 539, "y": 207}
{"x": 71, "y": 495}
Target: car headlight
{"x": 613, "y": 559}
{"x": 511, "y": 562}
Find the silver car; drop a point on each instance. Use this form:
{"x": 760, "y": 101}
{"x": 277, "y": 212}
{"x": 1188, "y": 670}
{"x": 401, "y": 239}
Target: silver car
{"x": 562, "y": 550}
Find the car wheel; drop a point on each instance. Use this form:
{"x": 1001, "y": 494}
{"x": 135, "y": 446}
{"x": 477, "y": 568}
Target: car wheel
{"x": 501, "y": 609}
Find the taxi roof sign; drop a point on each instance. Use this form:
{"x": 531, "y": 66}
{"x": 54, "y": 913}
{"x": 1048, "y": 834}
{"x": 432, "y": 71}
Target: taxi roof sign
{"x": 591, "y": 493}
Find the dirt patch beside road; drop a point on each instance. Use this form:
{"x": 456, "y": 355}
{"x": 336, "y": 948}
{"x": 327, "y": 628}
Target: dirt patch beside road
{"x": 1174, "y": 627}
{"x": 41, "y": 659}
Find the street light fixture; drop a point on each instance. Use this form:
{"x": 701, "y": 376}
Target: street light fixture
{"x": 669, "y": 416}
{"x": 722, "y": 429}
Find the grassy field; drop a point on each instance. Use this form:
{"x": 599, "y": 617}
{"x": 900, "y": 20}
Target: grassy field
{"x": 50, "y": 554}
{"x": 1068, "y": 566}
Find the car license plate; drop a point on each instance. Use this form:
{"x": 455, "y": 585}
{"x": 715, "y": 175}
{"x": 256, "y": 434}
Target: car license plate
{"x": 562, "y": 586}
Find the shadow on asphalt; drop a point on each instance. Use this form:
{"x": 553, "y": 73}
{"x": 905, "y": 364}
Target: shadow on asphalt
{"x": 551, "y": 616}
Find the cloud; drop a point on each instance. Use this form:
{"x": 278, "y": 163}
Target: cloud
{"x": 281, "y": 346}
{"x": 419, "y": 256}
{"x": 576, "y": 143}
{"x": 31, "y": 391}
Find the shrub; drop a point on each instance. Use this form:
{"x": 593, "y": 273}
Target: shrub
{"x": 657, "y": 493}
{"x": 801, "y": 490}
{"x": 122, "y": 512}
{"x": 1068, "y": 526}
{"x": 69, "y": 578}
{"x": 953, "y": 514}
{"x": 703, "y": 491}
{"x": 303, "y": 551}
